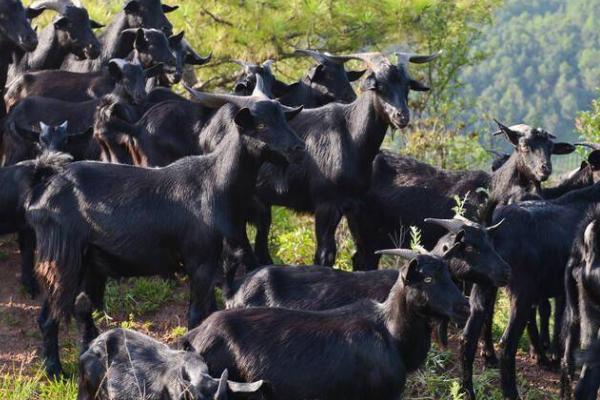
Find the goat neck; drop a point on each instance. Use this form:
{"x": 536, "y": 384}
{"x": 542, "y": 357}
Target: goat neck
{"x": 48, "y": 54}
{"x": 410, "y": 330}
{"x": 508, "y": 177}
{"x": 368, "y": 125}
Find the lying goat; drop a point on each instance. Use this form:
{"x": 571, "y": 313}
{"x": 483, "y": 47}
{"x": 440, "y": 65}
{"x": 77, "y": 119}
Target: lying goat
{"x": 360, "y": 351}
{"x": 127, "y": 365}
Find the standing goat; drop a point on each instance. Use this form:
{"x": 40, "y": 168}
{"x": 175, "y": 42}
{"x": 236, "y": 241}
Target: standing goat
{"x": 342, "y": 141}
{"x": 582, "y": 283}
{"x": 97, "y": 220}
{"x": 69, "y": 33}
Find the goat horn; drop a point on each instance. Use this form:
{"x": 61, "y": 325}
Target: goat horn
{"x": 60, "y": 6}
{"x": 407, "y": 254}
{"x": 374, "y": 60}
{"x": 320, "y": 57}
{"x": 260, "y": 90}
{"x": 592, "y": 146}
{"x": 453, "y": 225}
{"x": 222, "y": 389}
{"x": 494, "y": 227}
{"x": 214, "y": 100}
{"x": 405, "y": 58}
{"x": 267, "y": 64}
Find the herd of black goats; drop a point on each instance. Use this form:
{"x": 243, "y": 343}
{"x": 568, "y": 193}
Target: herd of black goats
{"x": 108, "y": 173}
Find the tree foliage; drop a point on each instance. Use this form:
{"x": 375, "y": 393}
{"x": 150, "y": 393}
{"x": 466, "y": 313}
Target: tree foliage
{"x": 544, "y": 64}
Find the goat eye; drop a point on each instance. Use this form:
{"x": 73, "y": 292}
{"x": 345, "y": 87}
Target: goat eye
{"x": 261, "y": 126}
{"x": 526, "y": 149}
{"x": 428, "y": 279}
{"x": 469, "y": 248}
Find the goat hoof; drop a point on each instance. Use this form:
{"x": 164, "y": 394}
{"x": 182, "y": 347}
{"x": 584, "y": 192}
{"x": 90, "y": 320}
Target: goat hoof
{"x": 54, "y": 370}
{"x": 547, "y": 365}
{"x": 491, "y": 361}
{"x": 32, "y": 288}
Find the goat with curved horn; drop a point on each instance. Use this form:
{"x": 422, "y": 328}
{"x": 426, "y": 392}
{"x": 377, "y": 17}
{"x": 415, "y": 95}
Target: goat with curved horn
{"x": 405, "y": 58}
{"x": 60, "y": 6}
{"x": 453, "y": 225}
{"x": 406, "y": 254}
{"x": 592, "y": 146}
{"x": 321, "y": 57}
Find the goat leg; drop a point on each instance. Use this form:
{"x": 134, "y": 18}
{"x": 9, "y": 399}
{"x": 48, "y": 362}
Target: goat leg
{"x": 520, "y": 312}
{"x": 49, "y": 327}
{"x": 488, "y": 352}
{"x": 261, "y": 214}
{"x": 535, "y": 342}
{"x": 589, "y": 383}
{"x": 480, "y": 300}
{"x": 26, "y": 239}
{"x": 201, "y": 291}
{"x": 327, "y": 219}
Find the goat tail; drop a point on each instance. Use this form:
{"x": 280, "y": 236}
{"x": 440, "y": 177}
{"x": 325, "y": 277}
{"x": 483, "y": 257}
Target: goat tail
{"x": 59, "y": 267}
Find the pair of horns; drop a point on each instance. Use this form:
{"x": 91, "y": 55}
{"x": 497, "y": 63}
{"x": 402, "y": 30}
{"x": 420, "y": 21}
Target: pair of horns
{"x": 215, "y": 100}
{"x": 250, "y": 68}
{"x": 60, "y": 6}
{"x": 519, "y": 129}
{"x": 453, "y": 225}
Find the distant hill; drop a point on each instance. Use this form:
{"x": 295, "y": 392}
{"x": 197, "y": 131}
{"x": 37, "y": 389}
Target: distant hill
{"x": 543, "y": 67}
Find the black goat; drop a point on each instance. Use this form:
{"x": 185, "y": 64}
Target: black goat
{"x": 330, "y": 351}
{"x": 184, "y": 56}
{"x": 342, "y": 141}
{"x": 130, "y": 82}
{"x": 53, "y": 138}
{"x": 582, "y": 324}
{"x": 16, "y": 34}
{"x": 124, "y": 364}
{"x": 326, "y": 82}
{"x": 69, "y": 33}
{"x": 535, "y": 239}
{"x": 404, "y": 191}
{"x": 149, "y": 46}
{"x": 149, "y": 14}
{"x": 161, "y": 220}
{"x": 17, "y": 182}
{"x": 466, "y": 248}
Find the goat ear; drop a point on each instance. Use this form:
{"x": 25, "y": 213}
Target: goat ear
{"x": 370, "y": 82}
{"x": 131, "y": 6}
{"x": 34, "y": 12}
{"x": 96, "y": 24}
{"x": 140, "y": 41}
{"x": 167, "y": 8}
{"x": 563, "y": 148}
{"x": 176, "y": 39}
{"x": 315, "y": 72}
{"x": 355, "y": 75}
{"x": 411, "y": 272}
{"x": 64, "y": 125}
{"x": 154, "y": 70}
{"x": 244, "y": 119}
{"x": 292, "y": 113}
{"x": 594, "y": 159}
{"x": 61, "y": 23}
{"x": 418, "y": 86}
{"x": 115, "y": 71}
{"x": 511, "y": 135}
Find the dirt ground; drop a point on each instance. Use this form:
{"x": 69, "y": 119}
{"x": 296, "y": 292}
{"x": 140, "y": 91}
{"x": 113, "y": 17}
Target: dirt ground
{"x": 20, "y": 338}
